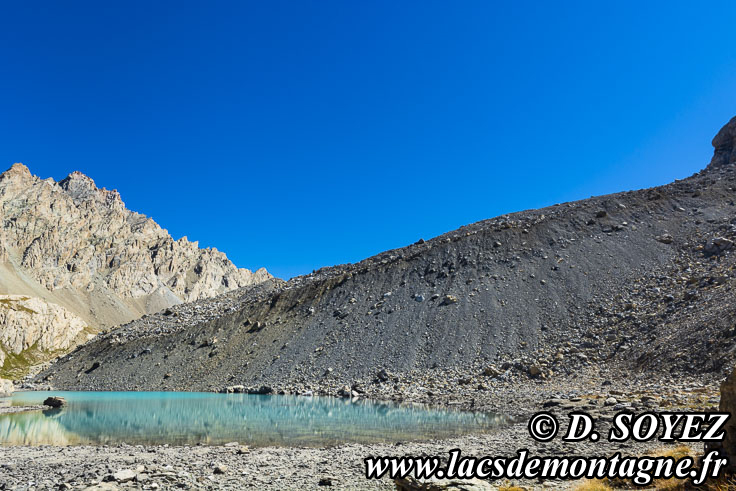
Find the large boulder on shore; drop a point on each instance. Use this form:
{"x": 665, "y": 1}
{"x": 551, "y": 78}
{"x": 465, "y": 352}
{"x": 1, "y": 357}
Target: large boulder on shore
{"x": 55, "y": 402}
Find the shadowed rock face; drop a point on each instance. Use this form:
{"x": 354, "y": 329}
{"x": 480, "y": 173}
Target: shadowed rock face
{"x": 724, "y": 143}
{"x": 74, "y": 245}
{"x": 627, "y": 280}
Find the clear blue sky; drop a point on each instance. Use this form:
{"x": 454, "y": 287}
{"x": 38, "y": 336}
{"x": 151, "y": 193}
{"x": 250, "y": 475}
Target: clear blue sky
{"x": 295, "y": 135}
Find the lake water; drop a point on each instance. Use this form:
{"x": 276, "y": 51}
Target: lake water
{"x": 178, "y": 418}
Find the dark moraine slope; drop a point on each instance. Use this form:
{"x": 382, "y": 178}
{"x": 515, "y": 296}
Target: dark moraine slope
{"x": 632, "y": 280}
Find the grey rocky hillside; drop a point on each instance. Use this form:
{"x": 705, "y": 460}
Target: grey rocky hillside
{"x": 638, "y": 280}
{"x": 74, "y": 260}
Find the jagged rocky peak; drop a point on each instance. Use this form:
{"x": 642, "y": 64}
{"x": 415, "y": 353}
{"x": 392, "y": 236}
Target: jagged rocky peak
{"x": 725, "y": 145}
{"x": 16, "y": 170}
{"x": 72, "y": 235}
{"x": 82, "y": 188}
{"x": 76, "y": 246}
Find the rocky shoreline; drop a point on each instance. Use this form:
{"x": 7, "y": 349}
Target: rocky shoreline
{"x": 7, "y": 409}
{"x": 235, "y": 466}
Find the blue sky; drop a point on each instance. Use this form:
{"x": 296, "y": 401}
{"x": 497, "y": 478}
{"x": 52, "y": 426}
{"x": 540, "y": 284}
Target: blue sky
{"x": 295, "y": 135}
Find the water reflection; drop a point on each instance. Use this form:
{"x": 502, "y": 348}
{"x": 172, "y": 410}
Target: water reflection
{"x": 192, "y": 417}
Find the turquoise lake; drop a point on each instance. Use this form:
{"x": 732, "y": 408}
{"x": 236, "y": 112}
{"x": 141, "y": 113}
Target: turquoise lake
{"x": 177, "y": 418}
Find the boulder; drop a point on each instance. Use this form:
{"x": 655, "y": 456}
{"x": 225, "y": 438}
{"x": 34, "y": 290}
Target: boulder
{"x": 233, "y": 389}
{"x": 55, "y": 402}
{"x": 383, "y": 375}
{"x": 125, "y": 475}
{"x": 717, "y": 245}
{"x": 262, "y": 390}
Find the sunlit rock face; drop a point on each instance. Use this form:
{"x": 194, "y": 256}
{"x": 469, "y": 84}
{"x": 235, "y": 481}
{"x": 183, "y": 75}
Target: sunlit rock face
{"x": 74, "y": 245}
{"x": 29, "y": 322}
{"x": 71, "y": 234}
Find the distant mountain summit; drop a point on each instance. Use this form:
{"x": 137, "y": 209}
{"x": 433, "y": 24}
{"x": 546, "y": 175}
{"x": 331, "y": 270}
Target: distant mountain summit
{"x": 75, "y": 245}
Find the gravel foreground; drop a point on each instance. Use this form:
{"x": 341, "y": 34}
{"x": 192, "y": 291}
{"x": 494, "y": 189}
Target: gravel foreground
{"x": 235, "y": 466}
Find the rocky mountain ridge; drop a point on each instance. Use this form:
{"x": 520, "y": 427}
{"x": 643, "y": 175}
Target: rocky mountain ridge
{"x": 537, "y": 294}
{"x": 78, "y": 248}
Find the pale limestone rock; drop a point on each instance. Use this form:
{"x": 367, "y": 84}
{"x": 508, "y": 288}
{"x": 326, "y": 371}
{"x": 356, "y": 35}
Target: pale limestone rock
{"x": 78, "y": 247}
{"x": 71, "y": 234}
{"x": 27, "y": 322}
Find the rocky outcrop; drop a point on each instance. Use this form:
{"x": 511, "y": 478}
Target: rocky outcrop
{"x": 32, "y": 323}
{"x": 73, "y": 235}
{"x": 724, "y": 144}
{"x": 79, "y": 252}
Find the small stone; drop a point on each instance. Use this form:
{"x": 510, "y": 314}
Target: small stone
{"x": 552, "y": 403}
{"x": 220, "y": 469}
{"x": 449, "y": 300}
{"x": 382, "y": 375}
{"x": 124, "y": 475}
{"x": 717, "y": 245}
